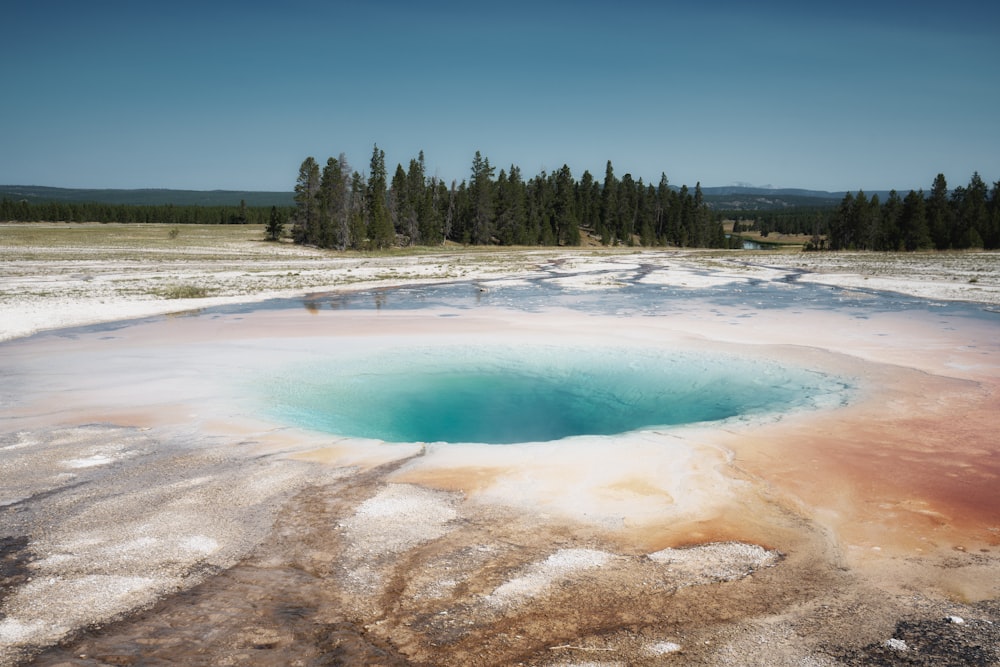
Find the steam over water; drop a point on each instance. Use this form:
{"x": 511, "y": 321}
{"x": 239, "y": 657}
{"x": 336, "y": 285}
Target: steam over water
{"x": 500, "y": 395}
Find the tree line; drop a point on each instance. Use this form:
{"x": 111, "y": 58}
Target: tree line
{"x": 966, "y": 217}
{"x": 338, "y": 207}
{"x": 943, "y": 219}
{"x": 24, "y": 211}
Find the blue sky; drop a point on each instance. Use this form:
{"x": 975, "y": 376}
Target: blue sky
{"x": 234, "y": 95}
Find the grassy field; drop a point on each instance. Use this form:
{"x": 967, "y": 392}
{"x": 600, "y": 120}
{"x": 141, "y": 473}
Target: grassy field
{"x": 130, "y": 242}
{"x": 774, "y": 240}
{"x": 21, "y": 239}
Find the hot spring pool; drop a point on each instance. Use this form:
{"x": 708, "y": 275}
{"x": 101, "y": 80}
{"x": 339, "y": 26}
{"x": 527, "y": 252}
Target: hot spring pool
{"x": 503, "y": 395}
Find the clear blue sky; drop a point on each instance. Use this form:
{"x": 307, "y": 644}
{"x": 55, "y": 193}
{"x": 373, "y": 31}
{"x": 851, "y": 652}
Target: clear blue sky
{"x": 234, "y": 95}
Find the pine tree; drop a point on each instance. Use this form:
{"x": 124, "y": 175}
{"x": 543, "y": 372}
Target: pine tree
{"x": 567, "y": 229}
{"x": 646, "y": 215}
{"x": 971, "y": 214}
{"x": 609, "y": 206}
{"x": 890, "y": 237}
{"x": 380, "y": 230}
{"x": 435, "y": 207}
{"x": 841, "y": 222}
{"x": 416, "y": 203}
{"x": 699, "y": 237}
{"x": 588, "y": 202}
{"x": 870, "y": 224}
{"x": 991, "y": 239}
{"x": 627, "y": 207}
{"x": 661, "y": 209}
{"x": 451, "y": 214}
{"x": 343, "y": 218}
{"x": 398, "y": 200}
{"x": 275, "y": 225}
{"x": 939, "y": 215}
{"x": 685, "y": 217}
{"x": 306, "y": 216}
{"x": 506, "y": 222}
{"x": 481, "y": 200}
{"x": 358, "y": 220}
{"x": 459, "y": 219}
{"x": 332, "y": 206}
{"x": 914, "y": 232}
{"x": 517, "y": 201}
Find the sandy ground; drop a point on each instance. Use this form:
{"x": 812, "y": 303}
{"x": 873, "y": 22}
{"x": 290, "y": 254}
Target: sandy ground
{"x": 147, "y": 519}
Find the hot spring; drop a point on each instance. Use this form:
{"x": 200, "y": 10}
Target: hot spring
{"x": 504, "y": 395}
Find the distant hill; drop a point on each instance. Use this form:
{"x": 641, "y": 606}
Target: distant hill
{"x": 150, "y": 197}
{"x": 775, "y": 192}
{"x": 728, "y": 198}
{"x": 737, "y": 198}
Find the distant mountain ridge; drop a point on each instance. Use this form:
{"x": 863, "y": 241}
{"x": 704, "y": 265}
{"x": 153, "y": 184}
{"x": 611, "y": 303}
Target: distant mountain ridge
{"x": 36, "y": 194}
{"x": 742, "y": 198}
{"x": 748, "y": 190}
{"x": 730, "y": 197}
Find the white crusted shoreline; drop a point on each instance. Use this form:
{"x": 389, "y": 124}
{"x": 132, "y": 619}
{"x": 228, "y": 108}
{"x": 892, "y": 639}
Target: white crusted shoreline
{"x": 45, "y": 288}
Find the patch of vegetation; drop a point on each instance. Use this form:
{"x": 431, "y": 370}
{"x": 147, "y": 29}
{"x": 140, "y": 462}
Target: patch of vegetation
{"x": 187, "y": 291}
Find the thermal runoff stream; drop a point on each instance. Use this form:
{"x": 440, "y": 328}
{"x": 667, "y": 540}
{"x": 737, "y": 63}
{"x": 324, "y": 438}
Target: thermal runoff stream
{"x": 499, "y": 395}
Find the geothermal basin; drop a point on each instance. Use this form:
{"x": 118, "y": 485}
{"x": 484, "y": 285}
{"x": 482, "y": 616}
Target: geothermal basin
{"x": 600, "y": 459}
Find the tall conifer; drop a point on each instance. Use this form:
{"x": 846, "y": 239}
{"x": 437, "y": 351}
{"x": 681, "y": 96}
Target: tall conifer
{"x": 306, "y": 217}
{"x": 380, "y": 230}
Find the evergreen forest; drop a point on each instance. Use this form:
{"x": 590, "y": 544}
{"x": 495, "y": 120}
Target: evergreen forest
{"x": 169, "y": 214}
{"x": 959, "y": 219}
{"x": 341, "y": 208}
{"x": 337, "y": 207}
{"x": 966, "y": 217}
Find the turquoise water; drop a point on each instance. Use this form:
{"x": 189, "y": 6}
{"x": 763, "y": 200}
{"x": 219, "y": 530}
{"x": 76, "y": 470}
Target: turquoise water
{"x": 500, "y": 396}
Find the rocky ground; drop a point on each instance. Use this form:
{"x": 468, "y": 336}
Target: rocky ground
{"x": 360, "y": 569}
